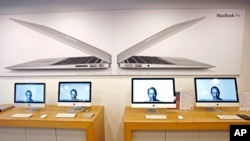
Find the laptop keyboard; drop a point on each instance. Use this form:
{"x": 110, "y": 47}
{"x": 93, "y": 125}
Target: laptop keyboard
{"x": 146, "y": 60}
{"x": 79, "y": 60}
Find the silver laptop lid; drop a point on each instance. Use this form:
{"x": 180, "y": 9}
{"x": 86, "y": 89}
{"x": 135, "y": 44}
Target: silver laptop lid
{"x": 80, "y": 45}
{"x": 154, "y": 39}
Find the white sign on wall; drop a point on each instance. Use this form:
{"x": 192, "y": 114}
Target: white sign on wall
{"x": 212, "y": 37}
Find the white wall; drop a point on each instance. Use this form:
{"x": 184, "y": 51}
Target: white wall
{"x": 114, "y": 91}
{"x": 245, "y": 69}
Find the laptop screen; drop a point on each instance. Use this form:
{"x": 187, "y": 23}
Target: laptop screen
{"x": 29, "y": 93}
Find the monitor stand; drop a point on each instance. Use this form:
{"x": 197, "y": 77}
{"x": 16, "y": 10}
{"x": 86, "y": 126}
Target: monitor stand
{"x": 212, "y": 109}
{"x": 33, "y": 109}
{"x": 152, "y": 111}
{"x": 76, "y": 109}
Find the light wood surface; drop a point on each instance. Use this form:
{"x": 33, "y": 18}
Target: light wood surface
{"x": 198, "y": 119}
{"x": 94, "y": 126}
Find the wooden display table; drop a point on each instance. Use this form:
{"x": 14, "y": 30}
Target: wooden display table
{"x": 94, "y": 126}
{"x": 198, "y": 119}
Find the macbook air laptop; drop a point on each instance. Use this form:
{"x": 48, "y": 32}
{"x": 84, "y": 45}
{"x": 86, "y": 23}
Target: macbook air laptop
{"x": 127, "y": 58}
{"x": 5, "y": 107}
{"x": 98, "y": 58}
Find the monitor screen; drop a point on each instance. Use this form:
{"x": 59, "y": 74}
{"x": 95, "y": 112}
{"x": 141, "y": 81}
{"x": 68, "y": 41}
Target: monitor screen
{"x": 215, "y": 92}
{"x": 153, "y": 93}
{"x": 74, "y": 94}
{"x": 29, "y": 94}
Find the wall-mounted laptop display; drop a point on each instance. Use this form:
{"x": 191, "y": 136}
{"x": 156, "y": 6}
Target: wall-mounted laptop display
{"x": 216, "y": 92}
{"x": 31, "y": 95}
{"x": 75, "y": 95}
{"x": 126, "y": 59}
{"x": 153, "y": 93}
{"x": 99, "y": 59}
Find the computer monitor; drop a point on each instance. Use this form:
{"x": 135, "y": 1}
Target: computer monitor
{"x": 31, "y": 95}
{"x": 76, "y": 95}
{"x": 216, "y": 92}
{"x": 153, "y": 93}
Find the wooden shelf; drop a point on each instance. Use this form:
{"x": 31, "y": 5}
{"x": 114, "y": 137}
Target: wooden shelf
{"x": 196, "y": 120}
{"x": 93, "y": 126}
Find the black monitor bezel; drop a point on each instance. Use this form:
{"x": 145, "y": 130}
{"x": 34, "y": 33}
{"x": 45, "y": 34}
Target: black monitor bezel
{"x": 212, "y": 101}
{"x": 74, "y": 82}
{"x": 132, "y": 94}
{"x": 30, "y": 83}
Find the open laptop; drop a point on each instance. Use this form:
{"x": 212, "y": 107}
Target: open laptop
{"x": 99, "y": 59}
{"x": 126, "y": 58}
